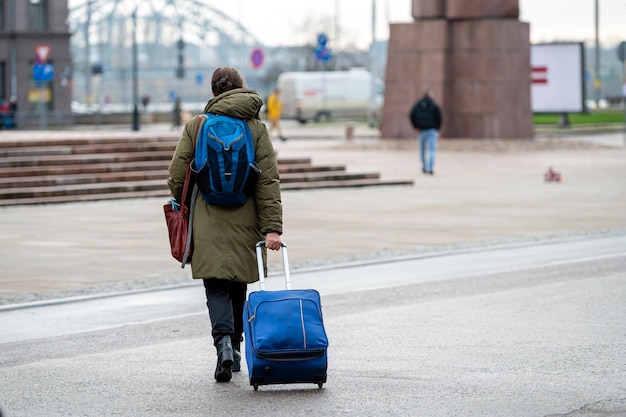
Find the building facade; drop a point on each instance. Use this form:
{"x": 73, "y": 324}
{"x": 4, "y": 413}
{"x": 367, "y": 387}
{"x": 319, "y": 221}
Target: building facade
{"x": 35, "y": 61}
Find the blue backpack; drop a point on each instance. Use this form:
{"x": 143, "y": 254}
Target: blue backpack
{"x": 223, "y": 165}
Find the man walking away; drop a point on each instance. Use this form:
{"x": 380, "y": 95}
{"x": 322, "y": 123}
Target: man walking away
{"x": 426, "y": 119}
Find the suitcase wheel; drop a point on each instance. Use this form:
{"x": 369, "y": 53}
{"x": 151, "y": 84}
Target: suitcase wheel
{"x": 319, "y": 380}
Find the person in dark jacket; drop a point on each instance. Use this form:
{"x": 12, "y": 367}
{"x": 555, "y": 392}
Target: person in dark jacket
{"x": 11, "y": 122}
{"x": 224, "y": 238}
{"x": 426, "y": 119}
{"x": 177, "y": 113}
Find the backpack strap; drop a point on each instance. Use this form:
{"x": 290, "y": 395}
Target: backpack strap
{"x": 193, "y": 151}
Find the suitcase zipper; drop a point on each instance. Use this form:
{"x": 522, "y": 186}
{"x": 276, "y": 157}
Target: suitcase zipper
{"x": 288, "y": 356}
{"x": 302, "y": 323}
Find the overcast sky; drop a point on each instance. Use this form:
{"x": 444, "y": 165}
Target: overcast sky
{"x": 280, "y": 22}
{"x": 295, "y": 22}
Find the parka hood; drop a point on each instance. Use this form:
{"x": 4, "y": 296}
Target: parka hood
{"x": 240, "y": 103}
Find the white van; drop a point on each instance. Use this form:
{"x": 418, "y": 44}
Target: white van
{"x": 325, "y": 95}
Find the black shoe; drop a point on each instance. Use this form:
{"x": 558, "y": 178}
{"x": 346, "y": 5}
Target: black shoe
{"x": 284, "y": 139}
{"x": 225, "y": 352}
{"x": 222, "y": 374}
{"x": 225, "y": 360}
{"x": 424, "y": 171}
{"x": 236, "y": 361}
{"x": 431, "y": 172}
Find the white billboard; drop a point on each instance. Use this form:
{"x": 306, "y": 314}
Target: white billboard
{"x": 557, "y": 77}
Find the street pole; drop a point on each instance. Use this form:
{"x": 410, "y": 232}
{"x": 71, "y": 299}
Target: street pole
{"x": 87, "y": 56}
{"x": 597, "y": 82}
{"x": 336, "y": 30}
{"x": 135, "y": 75}
{"x": 621, "y": 54}
{"x": 13, "y": 48}
{"x": 373, "y": 61}
{"x": 624, "y": 97}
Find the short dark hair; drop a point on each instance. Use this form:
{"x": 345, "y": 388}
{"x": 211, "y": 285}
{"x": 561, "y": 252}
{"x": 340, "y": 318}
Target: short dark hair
{"x": 225, "y": 79}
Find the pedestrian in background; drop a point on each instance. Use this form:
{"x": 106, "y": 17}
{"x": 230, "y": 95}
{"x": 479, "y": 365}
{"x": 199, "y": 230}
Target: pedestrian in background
{"x": 224, "y": 237}
{"x": 177, "y": 114}
{"x": 274, "y": 110}
{"x": 426, "y": 119}
{"x": 12, "y": 113}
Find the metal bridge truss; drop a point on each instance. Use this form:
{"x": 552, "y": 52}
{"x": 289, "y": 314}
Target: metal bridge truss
{"x": 179, "y": 43}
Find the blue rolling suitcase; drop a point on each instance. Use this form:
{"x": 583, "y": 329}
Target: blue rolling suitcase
{"x": 284, "y": 331}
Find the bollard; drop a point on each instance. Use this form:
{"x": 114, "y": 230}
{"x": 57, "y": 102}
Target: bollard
{"x": 350, "y": 131}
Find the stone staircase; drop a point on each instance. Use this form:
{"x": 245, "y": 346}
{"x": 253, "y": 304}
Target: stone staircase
{"x": 41, "y": 171}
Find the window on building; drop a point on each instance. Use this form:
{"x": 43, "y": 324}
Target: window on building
{"x": 1, "y": 15}
{"x": 39, "y": 14}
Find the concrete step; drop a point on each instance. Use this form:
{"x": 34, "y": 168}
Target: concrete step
{"x": 295, "y": 186}
{"x": 82, "y": 178}
{"x": 108, "y": 138}
{"x": 73, "y": 169}
{"x": 324, "y": 176}
{"x": 40, "y": 171}
{"x": 96, "y": 158}
{"x": 307, "y": 167}
{"x": 82, "y": 149}
{"x": 84, "y": 197}
{"x": 342, "y": 184}
{"x": 115, "y": 182}
{"x": 285, "y": 165}
{"x": 81, "y": 189}
{"x": 40, "y": 181}
{"x": 285, "y": 162}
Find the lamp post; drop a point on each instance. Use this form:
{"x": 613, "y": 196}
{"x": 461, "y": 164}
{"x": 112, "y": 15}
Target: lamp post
{"x": 12, "y": 48}
{"x": 373, "y": 60}
{"x": 336, "y": 30}
{"x": 597, "y": 82}
{"x": 621, "y": 54}
{"x": 135, "y": 126}
{"x": 87, "y": 56}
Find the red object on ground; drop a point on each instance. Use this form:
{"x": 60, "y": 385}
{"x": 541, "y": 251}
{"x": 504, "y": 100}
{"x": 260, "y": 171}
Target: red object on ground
{"x": 552, "y": 176}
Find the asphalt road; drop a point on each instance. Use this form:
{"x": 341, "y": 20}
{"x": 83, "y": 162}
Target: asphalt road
{"x": 521, "y": 330}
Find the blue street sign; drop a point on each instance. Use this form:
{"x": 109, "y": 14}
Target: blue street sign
{"x": 43, "y": 72}
{"x": 323, "y": 54}
{"x": 322, "y": 39}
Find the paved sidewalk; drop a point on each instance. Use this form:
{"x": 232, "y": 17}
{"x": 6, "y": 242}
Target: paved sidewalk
{"x": 483, "y": 192}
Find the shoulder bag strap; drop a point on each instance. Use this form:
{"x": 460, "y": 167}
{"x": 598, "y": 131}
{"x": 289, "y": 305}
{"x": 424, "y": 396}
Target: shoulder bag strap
{"x": 194, "y": 193}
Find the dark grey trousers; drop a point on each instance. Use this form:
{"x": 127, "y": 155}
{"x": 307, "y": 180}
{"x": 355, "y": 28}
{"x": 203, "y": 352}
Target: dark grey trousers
{"x": 225, "y": 301}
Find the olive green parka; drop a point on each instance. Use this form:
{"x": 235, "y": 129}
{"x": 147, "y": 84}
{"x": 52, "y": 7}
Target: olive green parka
{"x": 224, "y": 238}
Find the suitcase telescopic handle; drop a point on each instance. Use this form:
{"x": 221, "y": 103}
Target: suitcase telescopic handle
{"x": 259, "y": 258}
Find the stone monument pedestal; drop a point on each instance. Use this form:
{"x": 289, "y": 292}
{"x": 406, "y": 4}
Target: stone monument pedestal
{"x": 474, "y": 60}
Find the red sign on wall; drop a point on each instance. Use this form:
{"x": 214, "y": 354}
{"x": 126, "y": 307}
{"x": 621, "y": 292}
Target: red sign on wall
{"x": 42, "y": 52}
{"x": 539, "y": 75}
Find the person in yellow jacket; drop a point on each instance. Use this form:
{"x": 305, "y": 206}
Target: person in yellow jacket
{"x": 274, "y": 109}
